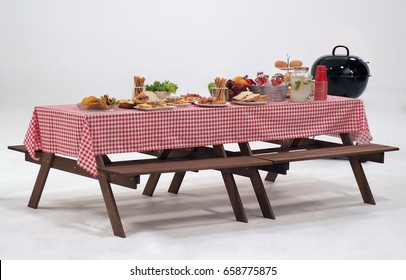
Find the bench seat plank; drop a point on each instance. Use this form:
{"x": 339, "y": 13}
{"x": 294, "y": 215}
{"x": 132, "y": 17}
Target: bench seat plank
{"x": 165, "y": 166}
{"x": 18, "y": 148}
{"x": 331, "y": 152}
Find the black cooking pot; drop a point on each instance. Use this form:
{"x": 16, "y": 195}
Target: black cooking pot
{"x": 347, "y": 75}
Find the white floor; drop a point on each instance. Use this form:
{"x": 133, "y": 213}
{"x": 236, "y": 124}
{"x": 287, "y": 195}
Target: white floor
{"x": 319, "y": 211}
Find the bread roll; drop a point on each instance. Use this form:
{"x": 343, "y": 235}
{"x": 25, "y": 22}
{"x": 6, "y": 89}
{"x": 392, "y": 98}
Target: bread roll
{"x": 286, "y": 77}
{"x": 281, "y": 64}
{"x": 295, "y": 63}
{"x": 126, "y": 104}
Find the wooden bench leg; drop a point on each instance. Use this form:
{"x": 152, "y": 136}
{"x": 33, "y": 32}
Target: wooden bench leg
{"x": 151, "y": 184}
{"x": 359, "y": 174}
{"x": 46, "y": 163}
{"x": 154, "y": 177}
{"x": 231, "y": 188}
{"x": 271, "y": 176}
{"x": 261, "y": 194}
{"x": 176, "y": 182}
{"x": 109, "y": 201}
{"x": 234, "y": 197}
{"x": 362, "y": 181}
{"x": 258, "y": 185}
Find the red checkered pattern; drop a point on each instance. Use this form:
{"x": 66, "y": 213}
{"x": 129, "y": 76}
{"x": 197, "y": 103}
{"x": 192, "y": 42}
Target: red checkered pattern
{"x": 69, "y": 131}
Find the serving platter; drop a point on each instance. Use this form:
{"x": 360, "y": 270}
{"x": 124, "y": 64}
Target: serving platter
{"x": 250, "y": 103}
{"x": 155, "y": 109}
{"x": 179, "y": 105}
{"x": 208, "y": 105}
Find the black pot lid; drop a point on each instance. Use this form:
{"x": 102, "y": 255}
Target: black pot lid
{"x": 347, "y": 66}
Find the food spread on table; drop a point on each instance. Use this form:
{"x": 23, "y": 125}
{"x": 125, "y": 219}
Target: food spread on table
{"x": 239, "y": 90}
{"x": 149, "y": 100}
{"x": 105, "y": 102}
{"x": 176, "y": 101}
{"x": 191, "y": 97}
{"x": 152, "y": 105}
{"x": 249, "y": 96}
{"x": 211, "y": 101}
{"x": 126, "y": 104}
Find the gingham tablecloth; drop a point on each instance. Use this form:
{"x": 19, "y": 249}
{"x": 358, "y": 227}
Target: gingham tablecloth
{"x": 70, "y": 131}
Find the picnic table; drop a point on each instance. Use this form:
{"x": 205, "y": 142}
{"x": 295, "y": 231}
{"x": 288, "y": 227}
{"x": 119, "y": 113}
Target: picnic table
{"x": 193, "y": 138}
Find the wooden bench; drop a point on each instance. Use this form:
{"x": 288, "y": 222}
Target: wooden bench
{"x": 239, "y": 164}
{"x": 120, "y": 172}
{"x": 70, "y": 166}
{"x": 353, "y": 151}
{"x": 143, "y": 167}
{"x": 246, "y": 163}
{"x": 180, "y": 165}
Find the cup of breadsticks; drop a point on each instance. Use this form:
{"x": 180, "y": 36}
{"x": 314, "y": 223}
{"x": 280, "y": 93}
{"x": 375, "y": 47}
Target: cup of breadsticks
{"x": 138, "y": 85}
{"x": 220, "y": 91}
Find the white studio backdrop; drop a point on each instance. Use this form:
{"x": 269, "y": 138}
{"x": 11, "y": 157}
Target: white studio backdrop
{"x": 55, "y": 51}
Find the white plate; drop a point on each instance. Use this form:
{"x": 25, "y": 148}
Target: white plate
{"x": 155, "y": 109}
{"x": 180, "y": 105}
{"x": 250, "y": 103}
{"x": 212, "y": 105}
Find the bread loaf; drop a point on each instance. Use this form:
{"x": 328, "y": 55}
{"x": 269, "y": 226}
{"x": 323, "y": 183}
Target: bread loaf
{"x": 281, "y": 64}
{"x": 295, "y": 63}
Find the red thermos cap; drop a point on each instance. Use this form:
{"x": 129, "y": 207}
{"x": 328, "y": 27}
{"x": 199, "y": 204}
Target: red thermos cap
{"x": 321, "y": 74}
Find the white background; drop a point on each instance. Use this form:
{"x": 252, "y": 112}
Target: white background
{"x": 55, "y": 51}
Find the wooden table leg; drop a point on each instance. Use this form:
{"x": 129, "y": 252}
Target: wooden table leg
{"x": 258, "y": 185}
{"x": 154, "y": 177}
{"x": 231, "y": 188}
{"x": 359, "y": 174}
{"x": 176, "y": 182}
{"x": 271, "y": 176}
{"x": 46, "y": 163}
{"x": 109, "y": 201}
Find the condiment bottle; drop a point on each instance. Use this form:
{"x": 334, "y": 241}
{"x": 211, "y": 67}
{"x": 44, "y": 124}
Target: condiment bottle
{"x": 320, "y": 84}
{"x": 301, "y": 85}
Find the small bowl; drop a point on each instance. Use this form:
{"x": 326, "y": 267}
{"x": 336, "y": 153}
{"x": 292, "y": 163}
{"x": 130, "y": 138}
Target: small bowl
{"x": 276, "y": 93}
{"x": 162, "y": 94}
{"x": 258, "y": 89}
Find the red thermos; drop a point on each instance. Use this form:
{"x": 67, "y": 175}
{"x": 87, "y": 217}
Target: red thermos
{"x": 320, "y": 84}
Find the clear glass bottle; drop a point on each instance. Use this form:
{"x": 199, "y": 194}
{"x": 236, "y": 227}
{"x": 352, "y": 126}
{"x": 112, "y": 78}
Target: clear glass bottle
{"x": 301, "y": 85}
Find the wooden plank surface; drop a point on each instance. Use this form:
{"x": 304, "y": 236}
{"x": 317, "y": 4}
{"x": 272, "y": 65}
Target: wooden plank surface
{"x": 165, "y": 166}
{"x": 300, "y": 155}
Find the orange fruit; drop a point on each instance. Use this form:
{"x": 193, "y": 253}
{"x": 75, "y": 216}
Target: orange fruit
{"x": 243, "y": 82}
{"x": 237, "y": 78}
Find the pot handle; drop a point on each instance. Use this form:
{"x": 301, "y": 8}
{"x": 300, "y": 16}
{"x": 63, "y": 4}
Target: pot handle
{"x": 341, "y": 46}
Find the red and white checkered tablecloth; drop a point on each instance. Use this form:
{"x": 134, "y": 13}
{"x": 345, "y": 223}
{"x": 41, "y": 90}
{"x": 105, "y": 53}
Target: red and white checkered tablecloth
{"x": 69, "y": 131}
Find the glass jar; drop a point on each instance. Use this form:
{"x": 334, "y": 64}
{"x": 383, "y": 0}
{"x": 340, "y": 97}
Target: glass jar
{"x": 301, "y": 85}
{"x": 138, "y": 90}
